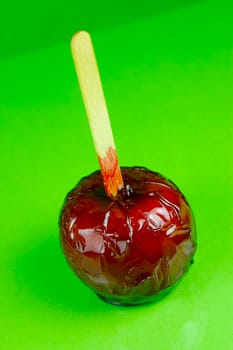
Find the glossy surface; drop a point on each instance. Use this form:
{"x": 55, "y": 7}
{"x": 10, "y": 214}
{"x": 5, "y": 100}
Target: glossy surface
{"x": 130, "y": 249}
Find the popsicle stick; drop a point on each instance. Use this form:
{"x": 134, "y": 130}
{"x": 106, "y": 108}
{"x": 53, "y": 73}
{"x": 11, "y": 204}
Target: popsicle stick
{"x": 96, "y": 109}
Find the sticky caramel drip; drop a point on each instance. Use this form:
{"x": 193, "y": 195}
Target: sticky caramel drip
{"x": 111, "y": 172}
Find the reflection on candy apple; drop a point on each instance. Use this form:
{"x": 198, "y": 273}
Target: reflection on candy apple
{"x": 133, "y": 248}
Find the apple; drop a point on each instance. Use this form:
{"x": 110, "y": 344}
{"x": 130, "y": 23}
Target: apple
{"x": 130, "y": 249}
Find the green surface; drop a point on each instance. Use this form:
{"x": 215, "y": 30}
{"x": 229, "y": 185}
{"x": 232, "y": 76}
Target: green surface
{"x": 25, "y": 25}
{"x": 168, "y": 82}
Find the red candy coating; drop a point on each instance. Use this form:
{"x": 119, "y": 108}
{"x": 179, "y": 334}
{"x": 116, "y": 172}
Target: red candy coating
{"x": 132, "y": 249}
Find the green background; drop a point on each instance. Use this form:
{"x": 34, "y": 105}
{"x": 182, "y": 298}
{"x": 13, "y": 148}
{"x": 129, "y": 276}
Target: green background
{"x": 167, "y": 73}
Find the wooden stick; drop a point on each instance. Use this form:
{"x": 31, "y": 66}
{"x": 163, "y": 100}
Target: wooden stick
{"x": 96, "y": 109}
